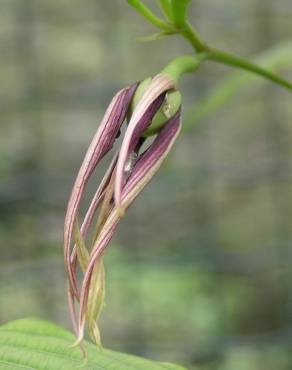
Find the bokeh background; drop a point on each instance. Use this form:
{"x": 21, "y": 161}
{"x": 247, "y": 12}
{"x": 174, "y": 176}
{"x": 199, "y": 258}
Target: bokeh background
{"x": 199, "y": 272}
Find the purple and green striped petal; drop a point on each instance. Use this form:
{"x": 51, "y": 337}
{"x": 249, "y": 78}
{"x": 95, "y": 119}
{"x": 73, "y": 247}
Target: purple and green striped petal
{"x": 138, "y": 123}
{"x": 100, "y": 145}
{"x": 143, "y": 171}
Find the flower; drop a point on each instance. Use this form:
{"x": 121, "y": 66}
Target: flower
{"x": 128, "y": 174}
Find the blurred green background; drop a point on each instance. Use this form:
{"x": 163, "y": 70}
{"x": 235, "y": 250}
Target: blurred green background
{"x": 199, "y": 272}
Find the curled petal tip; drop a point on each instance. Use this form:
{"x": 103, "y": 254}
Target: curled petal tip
{"x": 77, "y": 342}
{"x": 80, "y": 335}
{"x": 83, "y": 351}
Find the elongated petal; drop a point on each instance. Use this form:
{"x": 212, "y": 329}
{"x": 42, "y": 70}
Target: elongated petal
{"x": 81, "y": 250}
{"x": 144, "y": 170}
{"x": 159, "y": 85}
{"x": 95, "y": 202}
{"x": 150, "y": 161}
{"x": 96, "y": 300}
{"x": 72, "y": 310}
{"x": 102, "y": 242}
{"x": 100, "y": 145}
{"x": 97, "y": 197}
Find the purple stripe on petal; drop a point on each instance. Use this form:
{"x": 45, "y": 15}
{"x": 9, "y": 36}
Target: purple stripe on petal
{"x": 159, "y": 85}
{"x": 145, "y": 121}
{"x": 140, "y": 127}
{"x": 100, "y": 145}
{"x": 150, "y": 161}
{"x": 143, "y": 172}
{"x": 97, "y": 198}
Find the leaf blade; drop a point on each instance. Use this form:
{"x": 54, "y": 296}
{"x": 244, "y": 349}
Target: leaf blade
{"x": 33, "y": 344}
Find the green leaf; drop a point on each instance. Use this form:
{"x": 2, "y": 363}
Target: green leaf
{"x": 179, "y": 9}
{"x": 34, "y": 344}
{"x": 275, "y": 59}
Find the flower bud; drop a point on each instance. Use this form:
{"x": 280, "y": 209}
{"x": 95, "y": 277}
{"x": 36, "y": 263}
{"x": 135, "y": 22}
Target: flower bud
{"x": 168, "y": 109}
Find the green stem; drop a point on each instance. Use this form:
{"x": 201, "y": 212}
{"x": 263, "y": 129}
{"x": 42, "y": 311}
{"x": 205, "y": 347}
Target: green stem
{"x": 234, "y": 61}
{"x": 275, "y": 59}
{"x": 148, "y": 14}
{"x": 182, "y": 26}
{"x": 189, "y": 33}
{"x": 166, "y": 7}
{"x": 175, "y": 69}
{"x": 183, "y": 64}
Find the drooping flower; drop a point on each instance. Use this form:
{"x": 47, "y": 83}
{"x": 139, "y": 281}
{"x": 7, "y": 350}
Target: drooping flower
{"x": 129, "y": 172}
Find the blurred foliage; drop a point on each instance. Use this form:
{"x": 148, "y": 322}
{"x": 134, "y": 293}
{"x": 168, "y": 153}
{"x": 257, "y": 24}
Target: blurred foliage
{"x": 199, "y": 272}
